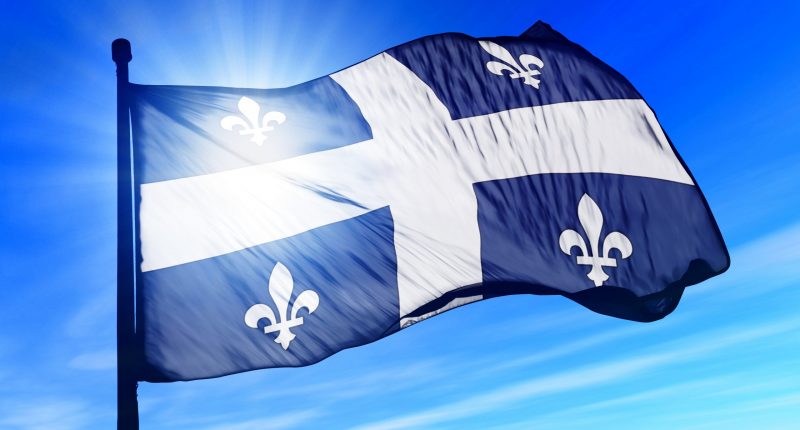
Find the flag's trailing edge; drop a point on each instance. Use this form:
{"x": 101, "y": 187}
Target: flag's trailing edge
{"x": 278, "y": 227}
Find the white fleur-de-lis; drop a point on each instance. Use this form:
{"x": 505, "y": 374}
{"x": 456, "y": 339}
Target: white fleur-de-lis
{"x": 280, "y": 288}
{"x": 516, "y": 70}
{"x": 249, "y": 125}
{"x": 591, "y": 219}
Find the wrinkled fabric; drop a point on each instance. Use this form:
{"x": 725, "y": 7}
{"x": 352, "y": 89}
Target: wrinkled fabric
{"x": 279, "y": 226}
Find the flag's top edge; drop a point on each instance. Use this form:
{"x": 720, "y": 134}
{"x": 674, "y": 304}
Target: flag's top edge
{"x": 540, "y": 32}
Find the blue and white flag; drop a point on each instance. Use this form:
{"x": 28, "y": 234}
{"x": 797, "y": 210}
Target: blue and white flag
{"x": 277, "y": 227}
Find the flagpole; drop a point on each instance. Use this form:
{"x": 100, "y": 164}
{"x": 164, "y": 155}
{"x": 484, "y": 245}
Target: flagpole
{"x": 127, "y": 406}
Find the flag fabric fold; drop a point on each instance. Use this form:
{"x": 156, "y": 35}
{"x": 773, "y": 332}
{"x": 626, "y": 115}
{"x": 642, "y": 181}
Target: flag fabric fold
{"x": 278, "y": 227}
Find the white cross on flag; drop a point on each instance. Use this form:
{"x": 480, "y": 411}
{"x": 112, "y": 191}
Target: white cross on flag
{"x": 280, "y": 226}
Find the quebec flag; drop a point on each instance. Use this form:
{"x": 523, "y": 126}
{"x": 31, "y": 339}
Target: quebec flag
{"x": 277, "y": 227}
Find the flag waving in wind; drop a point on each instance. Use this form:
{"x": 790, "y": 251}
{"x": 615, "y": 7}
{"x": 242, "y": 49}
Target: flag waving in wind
{"x": 277, "y": 227}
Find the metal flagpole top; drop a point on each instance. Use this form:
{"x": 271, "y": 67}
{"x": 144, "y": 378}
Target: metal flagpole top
{"x": 121, "y": 51}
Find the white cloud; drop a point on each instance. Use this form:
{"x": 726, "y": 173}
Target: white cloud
{"x": 608, "y": 372}
{"x": 390, "y": 378}
{"x": 780, "y": 248}
{"x": 287, "y": 420}
{"x": 579, "y": 415}
{"x": 95, "y": 316}
{"x": 45, "y": 415}
{"x": 759, "y": 266}
{"x": 588, "y": 415}
{"x": 99, "y": 360}
{"x": 744, "y": 414}
{"x": 568, "y": 348}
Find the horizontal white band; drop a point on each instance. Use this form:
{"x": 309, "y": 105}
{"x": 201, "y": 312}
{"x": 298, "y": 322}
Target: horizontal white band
{"x": 194, "y": 218}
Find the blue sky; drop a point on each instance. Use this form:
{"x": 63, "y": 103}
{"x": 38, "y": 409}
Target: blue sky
{"x": 722, "y": 76}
